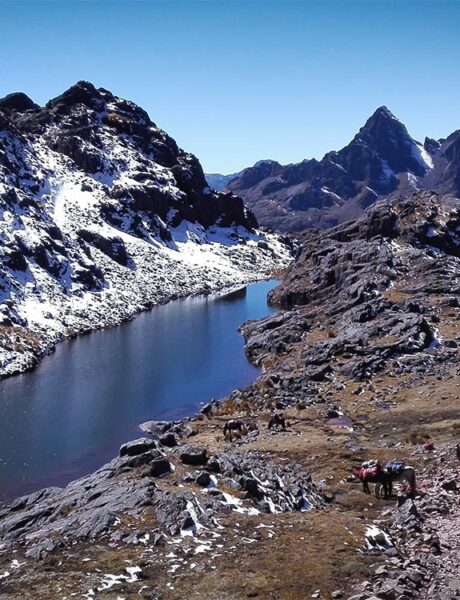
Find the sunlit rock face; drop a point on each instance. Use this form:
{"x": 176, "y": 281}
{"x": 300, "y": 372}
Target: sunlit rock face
{"x": 102, "y": 215}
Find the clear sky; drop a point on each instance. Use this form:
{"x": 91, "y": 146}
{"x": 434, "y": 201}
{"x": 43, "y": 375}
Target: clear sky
{"x": 235, "y": 82}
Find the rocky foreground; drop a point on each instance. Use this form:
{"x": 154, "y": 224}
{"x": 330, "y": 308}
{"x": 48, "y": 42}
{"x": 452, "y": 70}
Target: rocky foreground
{"x": 363, "y": 361}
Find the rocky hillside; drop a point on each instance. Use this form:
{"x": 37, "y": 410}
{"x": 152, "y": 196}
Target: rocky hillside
{"x": 102, "y": 215}
{"x": 381, "y": 160}
{"x": 363, "y": 360}
{"x": 365, "y": 294}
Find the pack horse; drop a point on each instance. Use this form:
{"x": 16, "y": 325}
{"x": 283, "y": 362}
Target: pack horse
{"x": 384, "y": 477}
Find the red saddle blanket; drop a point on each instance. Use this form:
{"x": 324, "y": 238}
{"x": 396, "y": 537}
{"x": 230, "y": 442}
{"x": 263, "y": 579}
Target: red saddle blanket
{"x": 369, "y": 473}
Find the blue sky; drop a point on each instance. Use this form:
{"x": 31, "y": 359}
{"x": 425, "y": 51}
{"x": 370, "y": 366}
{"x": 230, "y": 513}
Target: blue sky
{"x": 235, "y": 82}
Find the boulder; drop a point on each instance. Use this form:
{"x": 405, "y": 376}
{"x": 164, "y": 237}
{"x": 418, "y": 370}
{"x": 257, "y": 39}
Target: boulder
{"x": 114, "y": 247}
{"x": 156, "y": 428}
{"x": 159, "y": 466}
{"x": 203, "y": 479}
{"x": 168, "y": 439}
{"x": 450, "y": 485}
{"x": 136, "y": 447}
{"x": 193, "y": 455}
{"x": 133, "y": 461}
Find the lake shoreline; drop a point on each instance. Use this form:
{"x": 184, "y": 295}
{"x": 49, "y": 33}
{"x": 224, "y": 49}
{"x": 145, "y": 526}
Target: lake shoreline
{"x": 49, "y": 316}
{"x": 176, "y": 412}
{"x": 50, "y": 345}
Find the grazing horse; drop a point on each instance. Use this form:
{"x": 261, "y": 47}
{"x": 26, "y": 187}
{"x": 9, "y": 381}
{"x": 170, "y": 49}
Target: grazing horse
{"x": 277, "y": 420}
{"x": 406, "y": 474}
{"x": 457, "y": 450}
{"x": 243, "y": 427}
{"x": 375, "y": 474}
{"x": 235, "y": 425}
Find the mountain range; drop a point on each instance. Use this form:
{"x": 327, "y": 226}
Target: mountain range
{"x": 102, "y": 215}
{"x": 381, "y": 160}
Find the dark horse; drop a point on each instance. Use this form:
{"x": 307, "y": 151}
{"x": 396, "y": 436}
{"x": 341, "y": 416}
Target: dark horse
{"x": 375, "y": 474}
{"x": 235, "y": 425}
{"x": 240, "y": 426}
{"x": 277, "y": 420}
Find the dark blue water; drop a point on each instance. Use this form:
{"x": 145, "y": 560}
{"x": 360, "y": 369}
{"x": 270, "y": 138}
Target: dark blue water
{"x": 71, "y": 414}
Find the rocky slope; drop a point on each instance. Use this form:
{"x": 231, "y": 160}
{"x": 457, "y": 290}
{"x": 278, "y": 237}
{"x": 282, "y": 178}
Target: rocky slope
{"x": 362, "y": 293}
{"x": 102, "y": 215}
{"x": 381, "y": 160}
{"x": 363, "y": 359}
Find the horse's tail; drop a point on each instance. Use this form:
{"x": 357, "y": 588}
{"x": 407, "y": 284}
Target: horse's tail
{"x": 270, "y": 423}
{"x": 225, "y": 428}
{"x": 413, "y": 482}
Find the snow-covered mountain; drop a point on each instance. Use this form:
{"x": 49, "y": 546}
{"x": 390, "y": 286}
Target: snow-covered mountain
{"x": 381, "y": 160}
{"x": 101, "y": 216}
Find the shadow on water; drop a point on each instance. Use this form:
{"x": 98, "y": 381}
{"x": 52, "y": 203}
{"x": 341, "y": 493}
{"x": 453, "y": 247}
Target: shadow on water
{"x": 233, "y": 295}
{"x": 71, "y": 414}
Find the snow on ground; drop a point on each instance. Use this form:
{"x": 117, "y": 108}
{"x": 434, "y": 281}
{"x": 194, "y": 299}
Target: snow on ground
{"x": 110, "y": 580}
{"x": 422, "y": 156}
{"x": 376, "y": 538}
{"x": 388, "y": 172}
{"x": 66, "y": 200}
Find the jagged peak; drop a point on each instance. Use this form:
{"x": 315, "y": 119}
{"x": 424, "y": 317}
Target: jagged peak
{"x": 86, "y": 93}
{"x": 386, "y": 136}
{"x": 384, "y": 111}
{"x": 382, "y": 119}
{"x": 383, "y": 130}
{"x": 82, "y": 92}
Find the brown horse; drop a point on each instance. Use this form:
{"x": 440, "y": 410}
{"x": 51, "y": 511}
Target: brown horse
{"x": 277, "y": 420}
{"x": 375, "y": 474}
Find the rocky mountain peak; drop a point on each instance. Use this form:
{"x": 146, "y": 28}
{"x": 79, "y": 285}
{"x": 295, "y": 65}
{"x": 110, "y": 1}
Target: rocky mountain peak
{"x": 382, "y": 123}
{"x": 83, "y": 92}
{"x": 382, "y": 113}
{"x": 17, "y": 101}
{"x": 384, "y": 134}
{"x": 266, "y": 162}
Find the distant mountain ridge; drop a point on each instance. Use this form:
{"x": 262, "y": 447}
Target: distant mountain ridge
{"x": 381, "y": 160}
{"x": 219, "y": 182}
